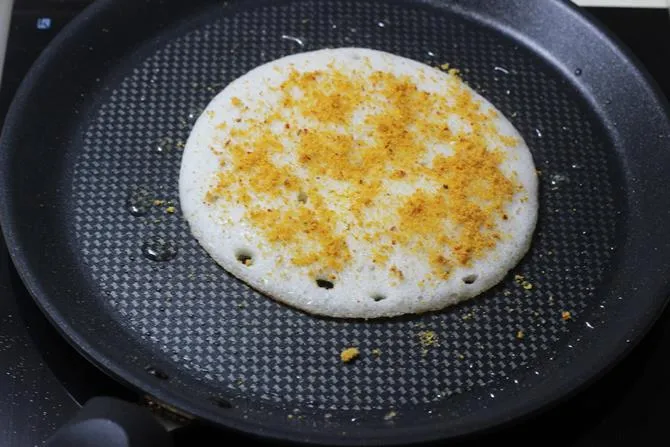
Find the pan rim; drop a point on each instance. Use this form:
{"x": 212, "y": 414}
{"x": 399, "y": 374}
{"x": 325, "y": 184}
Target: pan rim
{"x": 568, "y": 385}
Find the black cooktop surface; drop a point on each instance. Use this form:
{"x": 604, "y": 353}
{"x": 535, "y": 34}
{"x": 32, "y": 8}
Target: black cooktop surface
{"x": 43, "y": 380}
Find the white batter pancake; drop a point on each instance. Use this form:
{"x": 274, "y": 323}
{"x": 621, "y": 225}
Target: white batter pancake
{"x": 355, "y": 183}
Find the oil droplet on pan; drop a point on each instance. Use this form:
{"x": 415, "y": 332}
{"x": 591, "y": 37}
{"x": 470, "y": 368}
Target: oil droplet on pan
{"x": 156, "y": 372}
{"x": 138, "y": 202}
{"x": 164, "y": 145}
{"x": 159, "y": 249}
{"x": 297, "y": 40}
{"x": 556, "y": 180}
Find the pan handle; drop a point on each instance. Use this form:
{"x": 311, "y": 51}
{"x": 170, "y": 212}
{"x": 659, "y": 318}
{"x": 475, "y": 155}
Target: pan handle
{"x": 109, "y": 422}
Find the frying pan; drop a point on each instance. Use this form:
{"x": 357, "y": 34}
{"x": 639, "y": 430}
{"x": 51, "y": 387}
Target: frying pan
{"x": 94, "y": 136}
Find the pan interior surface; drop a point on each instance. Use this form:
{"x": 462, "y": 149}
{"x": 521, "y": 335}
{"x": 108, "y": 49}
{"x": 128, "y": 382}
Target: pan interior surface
{"x": 218, "y": 330}
{"x": 146, "y": 295}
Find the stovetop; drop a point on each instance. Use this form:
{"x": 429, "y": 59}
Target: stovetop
{"x": 43, "y": 379}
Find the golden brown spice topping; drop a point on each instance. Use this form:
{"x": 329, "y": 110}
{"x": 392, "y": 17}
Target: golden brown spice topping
{"x": 463, "y": 194}
{"x": 329, "y": 96}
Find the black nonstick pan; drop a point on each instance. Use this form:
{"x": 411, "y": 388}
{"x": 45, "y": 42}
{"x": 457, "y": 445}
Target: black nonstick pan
{"x": 90, "y": 156}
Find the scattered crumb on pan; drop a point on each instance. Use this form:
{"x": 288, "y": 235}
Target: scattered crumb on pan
{"x": 349, "y": 354}
{"x": 427, "y": 339}
{"x": 521, "y": 280}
